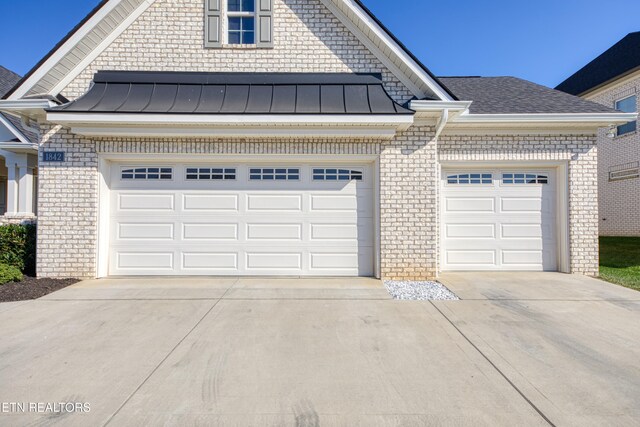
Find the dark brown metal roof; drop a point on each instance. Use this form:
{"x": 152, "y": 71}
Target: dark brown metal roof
{"x": 235, "y": 93}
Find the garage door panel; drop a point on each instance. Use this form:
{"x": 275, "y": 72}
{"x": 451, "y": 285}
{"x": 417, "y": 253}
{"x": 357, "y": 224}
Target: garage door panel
{"x": 520, "y": 257}
{"x": 274, "y": 232}
{"x": 274, "y": 202}
{"x": 146, "y": 202}
{"x": 470, "y": 204}
{"x": 210, "y": 202}
{"x": 210, "y": 262}
{"x": 470, "y": 231}
{"x": 144, "y": 260}
{"x": 519, "y": 204}
{"x": 274, "y": 260}
{"x": 209, "y": 231}
{"x": 471, "y": 257}
{"x": 146, "y": 231}
{"x": 519, "y": 231}
{"x": 498, "y": 226}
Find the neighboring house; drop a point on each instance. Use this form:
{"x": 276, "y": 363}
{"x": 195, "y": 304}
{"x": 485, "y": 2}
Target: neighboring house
{"x": 18, "y": 162}
{"x": 613, "y": 80}
{"x": 300, "y": 138}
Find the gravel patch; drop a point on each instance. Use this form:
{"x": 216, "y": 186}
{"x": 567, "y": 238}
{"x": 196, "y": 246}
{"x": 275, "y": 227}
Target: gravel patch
{"x": 419, "y": 291}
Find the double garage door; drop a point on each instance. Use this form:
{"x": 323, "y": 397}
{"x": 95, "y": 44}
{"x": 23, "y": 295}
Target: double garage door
{"x": 241, "y": 219}
{"x": 501, "y": 219}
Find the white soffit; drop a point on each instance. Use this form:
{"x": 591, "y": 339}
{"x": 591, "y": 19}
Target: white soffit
{"x": 75, "y": 54}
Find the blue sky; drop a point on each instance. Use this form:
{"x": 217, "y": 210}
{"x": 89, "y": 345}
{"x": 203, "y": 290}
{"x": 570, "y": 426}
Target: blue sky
{"x": 544, "y": 40}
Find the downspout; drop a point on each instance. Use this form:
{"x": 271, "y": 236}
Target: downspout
{"x": 444, "y": 118}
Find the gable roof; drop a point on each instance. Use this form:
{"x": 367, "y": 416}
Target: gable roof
{"x": 111, "y": 17}
{"x": 511, "y": 95}
{"x": 235, "y": 93}
{"x": 7, "y": 80}
{"x": 617, "y": 61}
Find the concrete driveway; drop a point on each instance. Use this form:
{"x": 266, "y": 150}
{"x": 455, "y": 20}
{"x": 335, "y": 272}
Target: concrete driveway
{"x": 518, "y": 349}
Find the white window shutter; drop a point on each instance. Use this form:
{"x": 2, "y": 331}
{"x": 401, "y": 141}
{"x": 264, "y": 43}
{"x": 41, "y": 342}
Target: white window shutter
{"x": 212, "y": 23}
{"x": 264, "y": 23}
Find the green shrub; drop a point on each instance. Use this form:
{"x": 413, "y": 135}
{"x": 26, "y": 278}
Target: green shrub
{"x": 18, "y": 247}
{"x": 9, "y": 273}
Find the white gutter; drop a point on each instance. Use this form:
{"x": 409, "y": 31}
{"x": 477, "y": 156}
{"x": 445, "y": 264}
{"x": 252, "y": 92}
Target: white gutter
{"x": 20, "y": 146}
{"x": 587, "y": 118}
{"x": 10, "y": 105}
{"x": 435, "y": 106}
{"x": 403, "y": 121}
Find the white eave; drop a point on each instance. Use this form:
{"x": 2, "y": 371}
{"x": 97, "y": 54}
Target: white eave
{"x": 19, "y": 147}
{"x": 601, "y": 119}
{"x": 233, "y": 126}
{"x": 32, "y": 108}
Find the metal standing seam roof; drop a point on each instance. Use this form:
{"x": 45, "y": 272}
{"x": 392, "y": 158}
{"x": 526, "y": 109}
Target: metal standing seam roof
{"x": 234, "y": 93}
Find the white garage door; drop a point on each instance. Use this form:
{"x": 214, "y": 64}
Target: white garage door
{"x": 241, "y": 219}
{"x": 498, "y": 220}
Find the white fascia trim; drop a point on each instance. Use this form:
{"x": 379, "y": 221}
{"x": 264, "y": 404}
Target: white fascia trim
{"x": 20, "y": 146}
{"x": 593, "y": 118}
{"x": 431, "y": 106}
{"x": 380, "y": 133}
{"x": 229, "y": 119}
{"x": 14, "y": 130}
{"x": 13, "y": 105}
{"x": 87, "y": 60}
{"x": 393, "y": 46}
{"x": 383, "y": 38}
{"x": 26, "y": 86}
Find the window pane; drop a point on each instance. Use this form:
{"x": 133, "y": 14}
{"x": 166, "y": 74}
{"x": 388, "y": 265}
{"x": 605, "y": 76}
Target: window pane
{"x": 627, "y": 105}
{"x": 248, "y": 5}
{"x": 233, "y": 5}
{"x": 247, "y": 24}
{"x": 235, "y": 24}
{"x": 627, "y": 128}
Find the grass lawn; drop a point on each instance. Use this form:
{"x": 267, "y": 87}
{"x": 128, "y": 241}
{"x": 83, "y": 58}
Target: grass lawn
{"x": 620, "y": 261}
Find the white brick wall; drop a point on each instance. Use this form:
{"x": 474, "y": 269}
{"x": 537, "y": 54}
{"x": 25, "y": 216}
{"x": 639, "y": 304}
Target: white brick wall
{"x": 619, "y": 201}
{"x": 169, "y": 36}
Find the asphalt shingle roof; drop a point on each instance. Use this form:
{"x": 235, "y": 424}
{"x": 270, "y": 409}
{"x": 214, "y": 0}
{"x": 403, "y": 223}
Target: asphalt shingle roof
{"x": 8, "y": 79}
{"x": 622, "y": 58}
{"x": 510, "y": 95}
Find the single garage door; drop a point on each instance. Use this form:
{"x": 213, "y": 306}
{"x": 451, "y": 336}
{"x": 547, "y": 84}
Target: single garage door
{"x": 498, "y": 220}
{"x": 242, "y": 219}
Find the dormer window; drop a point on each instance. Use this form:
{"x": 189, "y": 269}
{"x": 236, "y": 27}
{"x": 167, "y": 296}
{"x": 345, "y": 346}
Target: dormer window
{"x": 238, "y": 23}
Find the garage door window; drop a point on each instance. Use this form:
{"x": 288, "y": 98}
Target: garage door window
{"x": 524, "y": 178}
{"x": 470, "y": 178}
{"x": 336, "y": 175}
{"x": 211, "y": 174}
{"x": 274, "y": 174}
{"x": 148, "y": 174}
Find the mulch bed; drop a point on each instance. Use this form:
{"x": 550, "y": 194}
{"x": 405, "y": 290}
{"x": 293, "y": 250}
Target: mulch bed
{"x": 32, "y": 288}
